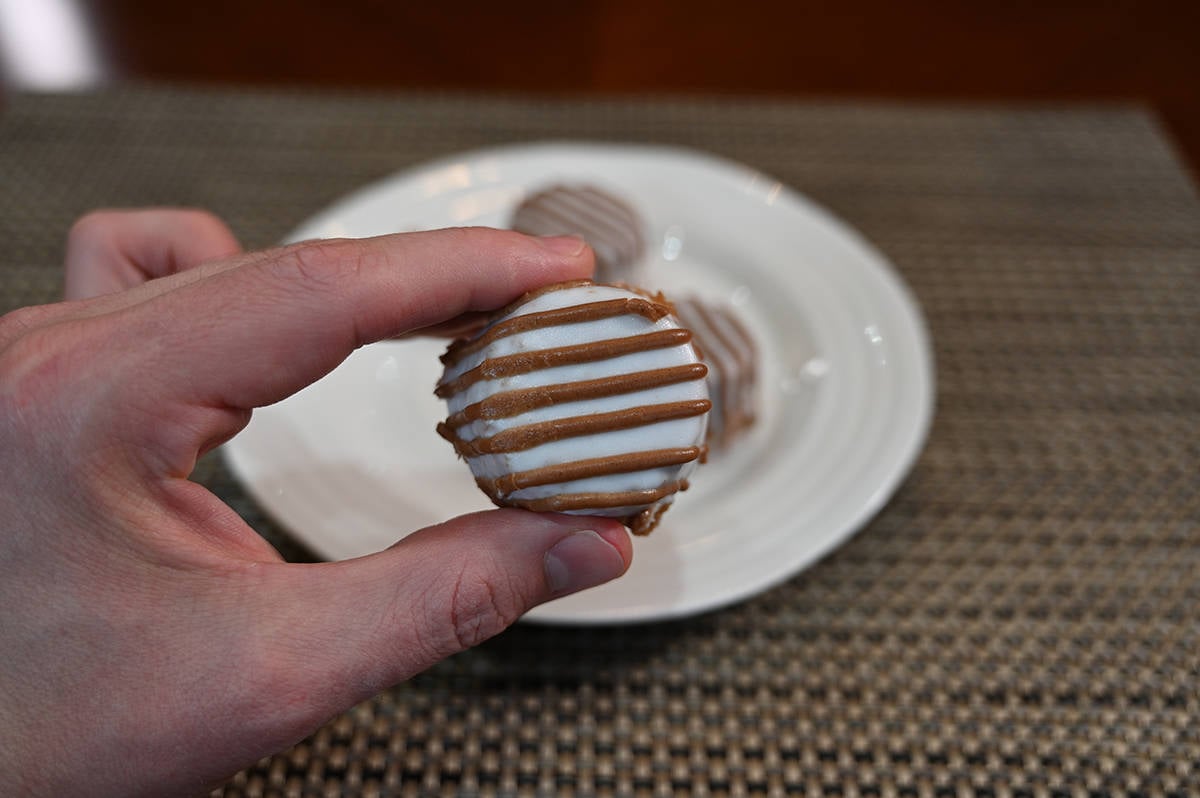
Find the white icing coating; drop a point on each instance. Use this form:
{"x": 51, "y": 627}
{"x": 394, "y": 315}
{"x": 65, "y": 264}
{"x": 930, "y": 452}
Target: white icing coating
{"x": 674, "y": 433}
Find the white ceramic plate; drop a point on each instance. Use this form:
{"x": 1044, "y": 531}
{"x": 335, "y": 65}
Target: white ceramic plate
{"x": 352, "y": 463}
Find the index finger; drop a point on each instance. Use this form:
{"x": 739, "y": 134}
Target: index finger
{"x": 250, "y": 336}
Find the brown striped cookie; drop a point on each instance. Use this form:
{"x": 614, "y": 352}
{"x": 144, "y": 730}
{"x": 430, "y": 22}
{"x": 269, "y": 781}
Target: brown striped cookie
{"x": 609, "y": 225}
{"x": 732, "y": 359}
{"x": 579, "y": 398}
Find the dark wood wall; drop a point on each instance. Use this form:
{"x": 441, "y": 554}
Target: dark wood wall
{"x": 916, "y": 50}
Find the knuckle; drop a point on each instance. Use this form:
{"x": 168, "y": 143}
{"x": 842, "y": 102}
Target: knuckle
{"x": 31, "y": 373}
{"x": 20, "y": 322}
{"x": 321, "y": 265}
{"x": 42, "y": 366}
{"x": 467, "y": 240}
{"x": 504, "y": 243}
{"x": 476, "y": 606}
{"x": 31, "y": 368}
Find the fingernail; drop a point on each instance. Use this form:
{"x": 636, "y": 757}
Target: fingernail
{"x": 563, "y": 245}
{"x": 580, "y": 560}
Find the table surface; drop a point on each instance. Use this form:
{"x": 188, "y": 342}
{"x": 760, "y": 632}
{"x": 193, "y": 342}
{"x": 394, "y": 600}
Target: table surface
{"x": 1023, "y": 618}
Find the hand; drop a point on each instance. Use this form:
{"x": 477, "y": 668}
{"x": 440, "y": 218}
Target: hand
{"x": 151, "y": 642}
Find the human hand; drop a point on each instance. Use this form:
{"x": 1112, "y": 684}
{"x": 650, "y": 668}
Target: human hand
{"x": 150, "y": 641}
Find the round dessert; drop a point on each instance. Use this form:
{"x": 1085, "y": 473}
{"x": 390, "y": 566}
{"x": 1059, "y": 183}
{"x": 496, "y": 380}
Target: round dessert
{"x": 579, "y": 398}
{"x": 731, "y": 354}
{"x": 609, "y": 225}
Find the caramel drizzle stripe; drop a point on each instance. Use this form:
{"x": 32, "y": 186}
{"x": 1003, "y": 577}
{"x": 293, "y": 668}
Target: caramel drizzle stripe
{"x": 518, "y": 439}
{"x": 592, "y": 311}
{"x": 525, "y": 362}
{"x": 529, "y": 296}
{"x": 735, "y": 335}
{"x": 714, "y": 352}
{"x": 750, "y": 377}
{"x": 511, "y": 403}
{"x": 609, "y": 252}
{"x": 616, "y": 210}
{"x": 598, "y": 501}
{"x": 580, "y": 212}
{"x": 729, "y": 371}
{"x": 586, "y": 469}
{"x": 643, "y": 523}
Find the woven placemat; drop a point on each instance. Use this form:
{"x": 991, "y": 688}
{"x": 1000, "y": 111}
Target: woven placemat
{"x": 1023, "y": 619}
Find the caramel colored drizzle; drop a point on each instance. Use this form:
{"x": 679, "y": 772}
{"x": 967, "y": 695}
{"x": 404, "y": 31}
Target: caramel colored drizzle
{"x": 598, "y": 501}
{"x": 750, "y": 366}
{"x": 519, "y": 439}
{"x": 582, "y": 469}
{"x": 643, "y": 523}
{"x": 513, "y": 403}
{"x": 525, "y": 362}
{"x": 730, "y": 350}
{"x": 717, "y": 353}
{"x": 575, "y": 314}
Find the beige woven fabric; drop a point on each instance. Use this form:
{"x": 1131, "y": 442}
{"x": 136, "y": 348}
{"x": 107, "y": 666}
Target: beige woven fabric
{"x": 1021, "y": 620}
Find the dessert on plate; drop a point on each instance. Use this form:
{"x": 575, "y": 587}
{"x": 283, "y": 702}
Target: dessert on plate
{"x": 607, "y": 223}
{"x": 732, "y": 358}
{"x": 579, "y": 398}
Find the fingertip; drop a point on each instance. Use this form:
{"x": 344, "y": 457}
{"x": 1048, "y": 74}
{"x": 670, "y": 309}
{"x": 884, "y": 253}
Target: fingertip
{"x": 581, "y": 560}
{"x": 567, "y": 246}
{"x": 534, "y": 261}
{"x": 215, "y": 237}
{"x": 616, "y": 535}
{"x": 576, "y": 260}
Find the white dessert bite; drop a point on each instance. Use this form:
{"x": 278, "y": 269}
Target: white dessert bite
{"x": 579, "y": 398}
{"x": 608, "y": 224}
{"x": 732, "y": 358}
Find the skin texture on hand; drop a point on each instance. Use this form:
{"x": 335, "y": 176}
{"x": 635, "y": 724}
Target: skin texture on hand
{"x": 151, "y": 642}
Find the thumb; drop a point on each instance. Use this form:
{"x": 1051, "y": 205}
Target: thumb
{"x": 346, "y": 630}
{"x": 112, "y": 250}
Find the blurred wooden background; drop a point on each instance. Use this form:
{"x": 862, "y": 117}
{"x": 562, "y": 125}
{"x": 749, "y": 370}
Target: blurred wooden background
{"x": 924, "y": 50}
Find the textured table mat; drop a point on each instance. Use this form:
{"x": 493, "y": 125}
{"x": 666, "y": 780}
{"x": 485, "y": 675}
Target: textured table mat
{"x": 1023, "y": 619}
